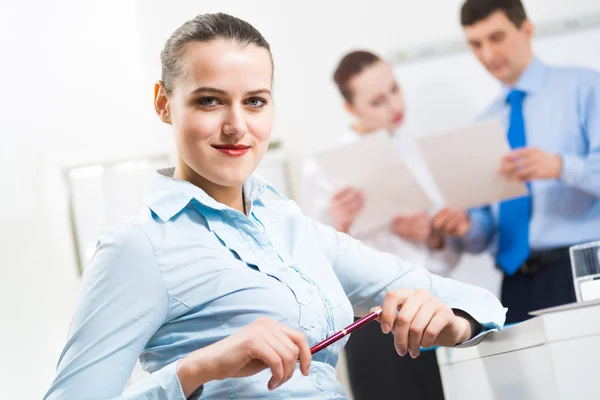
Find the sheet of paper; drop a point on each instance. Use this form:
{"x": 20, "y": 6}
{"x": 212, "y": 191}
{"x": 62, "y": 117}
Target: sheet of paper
{"x": 374, "y": 166}
{"x": 465, "y": 162}
{"x": 411, "y": 154}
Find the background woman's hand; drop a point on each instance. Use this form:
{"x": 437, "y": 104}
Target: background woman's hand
{"x": 344, "y": 206}
{"x": 415, "y": 227}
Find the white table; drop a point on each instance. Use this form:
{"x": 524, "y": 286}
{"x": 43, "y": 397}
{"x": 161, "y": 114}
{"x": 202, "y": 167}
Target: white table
{"x": 554, "y": 356}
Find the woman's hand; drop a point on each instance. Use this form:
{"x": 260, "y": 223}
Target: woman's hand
{"x": 415, "y": 227}
{"x": 262, "y": 344}
{"x": 418, "y": 319}
{"x": 344, "y": 206}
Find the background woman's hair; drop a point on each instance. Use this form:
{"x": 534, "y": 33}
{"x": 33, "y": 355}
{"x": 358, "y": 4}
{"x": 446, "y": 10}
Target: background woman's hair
{"x": 351, "y": 65}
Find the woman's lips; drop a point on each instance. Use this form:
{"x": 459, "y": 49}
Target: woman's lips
{"x": 232, "y": 150}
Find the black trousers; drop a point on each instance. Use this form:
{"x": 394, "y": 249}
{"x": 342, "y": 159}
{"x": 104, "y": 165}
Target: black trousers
{"x": 377, "y": 372}
{"x": 551, "y": 286}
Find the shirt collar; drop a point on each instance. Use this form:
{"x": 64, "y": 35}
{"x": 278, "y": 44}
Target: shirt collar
{"x": 531, "y": 80}
{"x": 166, "y": 196}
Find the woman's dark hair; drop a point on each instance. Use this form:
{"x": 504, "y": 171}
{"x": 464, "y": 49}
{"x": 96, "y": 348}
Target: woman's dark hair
{"x": 473, "y": 11}
{"x": 351, "y": 65}
{"x": 205, "y": 28}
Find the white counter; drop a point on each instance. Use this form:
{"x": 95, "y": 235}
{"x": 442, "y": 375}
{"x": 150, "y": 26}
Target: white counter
{"x": 554, "y": 356}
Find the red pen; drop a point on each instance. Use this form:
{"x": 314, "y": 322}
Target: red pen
{"x": 347, "y": 330}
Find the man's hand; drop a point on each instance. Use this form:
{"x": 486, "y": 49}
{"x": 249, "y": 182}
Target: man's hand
{"x": 451, "y": 222}
{"x": 527, "y": 164}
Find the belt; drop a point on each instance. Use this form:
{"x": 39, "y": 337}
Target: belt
{"x": 539, "y": 260}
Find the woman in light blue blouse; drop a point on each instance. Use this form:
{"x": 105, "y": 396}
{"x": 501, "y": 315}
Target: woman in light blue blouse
{"x": 220, "y": 284}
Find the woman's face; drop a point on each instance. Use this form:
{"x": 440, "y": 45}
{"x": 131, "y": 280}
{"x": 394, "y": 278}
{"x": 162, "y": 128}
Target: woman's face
{"x": 377, "y": 100}
{"x": 221, "y": 111}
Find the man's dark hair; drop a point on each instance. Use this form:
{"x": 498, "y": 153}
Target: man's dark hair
{"x": 473, "y": 11}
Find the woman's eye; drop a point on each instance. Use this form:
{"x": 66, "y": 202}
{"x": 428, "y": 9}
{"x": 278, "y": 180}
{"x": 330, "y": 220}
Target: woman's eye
{"x": 256, "y": 102}
{"x": 207, "y": 101}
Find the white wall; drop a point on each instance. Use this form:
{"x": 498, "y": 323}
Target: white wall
{"x": 77, "y": 88}
{"x": 74, "y": 91}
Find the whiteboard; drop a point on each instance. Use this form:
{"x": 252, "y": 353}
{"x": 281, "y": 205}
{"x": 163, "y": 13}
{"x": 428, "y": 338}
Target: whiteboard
{"x": 449, "y": 91}
{"x": 103, "y": 195}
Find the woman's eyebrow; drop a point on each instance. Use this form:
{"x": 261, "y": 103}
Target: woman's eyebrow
{"x": 208, "y": 89}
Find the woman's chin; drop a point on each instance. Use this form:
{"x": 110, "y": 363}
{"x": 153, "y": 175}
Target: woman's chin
{"x": 235, "y": 177}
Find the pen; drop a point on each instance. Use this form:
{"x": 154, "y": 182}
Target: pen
{"x": 347, "y": 330}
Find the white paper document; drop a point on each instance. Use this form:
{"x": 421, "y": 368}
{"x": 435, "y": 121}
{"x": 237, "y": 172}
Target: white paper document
{"x": 457, "y": 168}
{"x": 374, "y": 166}
{"x": 465, "y": 163}
{"x": 413, "y": 158}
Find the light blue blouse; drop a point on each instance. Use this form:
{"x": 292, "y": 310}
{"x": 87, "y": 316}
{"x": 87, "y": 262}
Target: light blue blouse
{"x": 191, "y": 271}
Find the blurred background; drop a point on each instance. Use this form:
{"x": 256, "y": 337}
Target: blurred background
{"x": 78, "y": 127}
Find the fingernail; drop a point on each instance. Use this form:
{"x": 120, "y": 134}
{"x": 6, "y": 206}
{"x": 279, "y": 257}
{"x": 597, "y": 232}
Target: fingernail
{"x": 413, "y": 355}
{"x": 385, "y": 327}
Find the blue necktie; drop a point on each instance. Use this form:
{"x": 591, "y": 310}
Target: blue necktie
{"x": 514, "y": 215}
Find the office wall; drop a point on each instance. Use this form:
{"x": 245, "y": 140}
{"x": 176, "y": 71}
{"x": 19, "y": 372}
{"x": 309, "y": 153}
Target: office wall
{"x": 74, "y": 91}
{"x": 77, "y": 88}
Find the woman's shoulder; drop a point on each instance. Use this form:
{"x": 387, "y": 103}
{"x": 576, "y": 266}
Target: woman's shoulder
{"x": 145, "y": 235}
{"x": 128, "y": 238}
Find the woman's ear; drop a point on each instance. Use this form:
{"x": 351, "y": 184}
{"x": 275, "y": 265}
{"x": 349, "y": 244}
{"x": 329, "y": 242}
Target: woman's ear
{"x": 161, "y": 103}
{"x": 349, "y": 108}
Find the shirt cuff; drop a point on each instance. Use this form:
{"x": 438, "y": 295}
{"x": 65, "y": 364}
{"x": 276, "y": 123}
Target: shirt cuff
{"x": 572, "y": 169}
{"x": 486, "y": 327}
{"x": 480, "y": 310}
{"x": 197, "y": 393}
{"x": 473, "y": 234}
{"x": 161, "y": 384}
{"x": 475, "y": 340}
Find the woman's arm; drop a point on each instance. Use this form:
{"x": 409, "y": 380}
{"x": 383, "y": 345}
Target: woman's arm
{"x": 368, "y": 275}
{"x": 260, "y": 345}
{"x": 123, "y": 302}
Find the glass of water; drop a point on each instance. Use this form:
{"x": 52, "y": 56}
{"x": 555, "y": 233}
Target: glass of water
{"x": 585, "y": 263}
